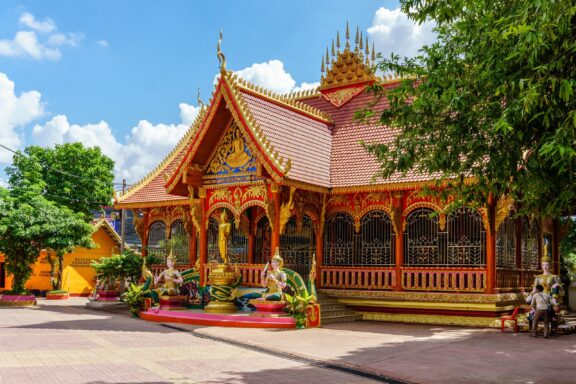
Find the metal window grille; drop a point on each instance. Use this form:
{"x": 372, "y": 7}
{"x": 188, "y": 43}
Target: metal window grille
{"x": 237, "y": 245}
{"x": 377, "y": 239}
{"x": 157, "y": 239}
{"x": 506, "y": 244}
{"x": 212, "y": 234}
{"x": 529, "y": 241}
{"x": 421, "y": 240}
{"x": 262, "y": 250}
{"x": 466, "y": 238}
{"x": 297, "y": 246}
{"x": 180, "y": 242}
{"x": 339, "y": 240}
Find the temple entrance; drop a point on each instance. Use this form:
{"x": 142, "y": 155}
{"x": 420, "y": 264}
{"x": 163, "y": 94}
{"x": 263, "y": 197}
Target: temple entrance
{"x": 297, "y": 245}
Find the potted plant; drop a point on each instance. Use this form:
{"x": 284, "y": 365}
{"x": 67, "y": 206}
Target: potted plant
{"x": 134, "y": 297}
{"x": 107, "y": 273}
{"x": 57, "y": 294}
{"x": 297, "y": 306}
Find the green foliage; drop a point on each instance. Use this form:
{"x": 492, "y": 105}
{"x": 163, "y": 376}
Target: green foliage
{"x": 492, "y": 99}
{"x": 58, "y": 292}
{"x": 134, "y": 297}
{"x": 568, "y": 247}
{"x": 297, "y": 304}
{"x": 40, "y": 170}
{"x": 28, "y": 224}
{"x": 127, "y": 265}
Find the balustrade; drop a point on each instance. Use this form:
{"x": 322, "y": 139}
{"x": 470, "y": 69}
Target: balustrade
{"x": 507, "y": 279}
{"x": 357, "y": 278}
{"x": 468, "y": 280}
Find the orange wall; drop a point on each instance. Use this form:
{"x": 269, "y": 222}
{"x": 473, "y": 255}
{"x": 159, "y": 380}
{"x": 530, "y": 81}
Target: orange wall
{"x": 78, "y": 277}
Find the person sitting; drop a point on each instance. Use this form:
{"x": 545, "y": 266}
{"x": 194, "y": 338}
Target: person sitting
{"x": 172, "y": 279}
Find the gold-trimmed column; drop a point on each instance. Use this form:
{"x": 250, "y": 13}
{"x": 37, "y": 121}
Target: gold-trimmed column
{"x": 491, "y": 245}
{"x": 397, "y": 217}
{"x": 203, "y": 236}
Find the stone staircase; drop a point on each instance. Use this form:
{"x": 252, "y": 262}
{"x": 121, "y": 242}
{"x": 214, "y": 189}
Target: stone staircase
{"x": 332, "y": 312}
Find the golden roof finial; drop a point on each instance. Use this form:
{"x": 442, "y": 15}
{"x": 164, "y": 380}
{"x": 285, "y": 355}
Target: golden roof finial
{"x": 200, "y": 102}
{"x": 373, "y": 53}
{"x": 361, "y": 41}
{"x": 338, "y": 40}
{"x": 357, "y": 39}
{"x": 347, "y": 37}
{"x": 221, "y": 57}
{"x": 322, "y": 68}
{"x": 367, "y": 48}
{"x": 327, "y": 57}
{"x": 333, "y": 52}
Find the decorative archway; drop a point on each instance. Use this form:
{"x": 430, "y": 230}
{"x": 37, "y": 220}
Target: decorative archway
{"x": 339, "y": 239}
{"x": 298, "y": 244}
{"x": 156, "y": 240}
{"x": 377, "y": 239}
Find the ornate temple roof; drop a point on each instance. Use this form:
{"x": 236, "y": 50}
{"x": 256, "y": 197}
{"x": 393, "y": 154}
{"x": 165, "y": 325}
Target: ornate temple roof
{"x": 310, "y": 137}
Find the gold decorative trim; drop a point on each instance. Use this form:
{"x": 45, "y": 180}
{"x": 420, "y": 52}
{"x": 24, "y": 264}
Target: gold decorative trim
{"x": 150, "y": 204}
{"x": 390, "y": 186}
{"x": 468, "y": 321}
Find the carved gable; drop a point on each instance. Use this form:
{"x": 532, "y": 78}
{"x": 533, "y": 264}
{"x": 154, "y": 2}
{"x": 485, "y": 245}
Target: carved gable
{"x": 232, "y": 161}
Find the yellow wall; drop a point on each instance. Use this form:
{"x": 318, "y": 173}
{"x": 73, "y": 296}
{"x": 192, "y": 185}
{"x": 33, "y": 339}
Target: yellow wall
{"x": 78, "y": 276}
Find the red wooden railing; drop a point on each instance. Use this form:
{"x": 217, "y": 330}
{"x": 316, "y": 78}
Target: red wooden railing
{"x": 420, "y": 279}
{"x": 527, "y": 278}
{"x": 157, "y": 269}
{"x": 507, "y": 279}
{"x": 357, "y": 278}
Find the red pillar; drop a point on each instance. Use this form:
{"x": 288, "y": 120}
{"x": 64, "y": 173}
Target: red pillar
{"x": 145, "y": 223}
{"x": 276, "y": 198}
{"x": 491, "y": 246}
{"x": 398, "y": 206}
{"x": 192, "y": 246}
{"x": 251, "y": 242}
{"x": 518, "y": 223}
{"x": 203, "y": 236}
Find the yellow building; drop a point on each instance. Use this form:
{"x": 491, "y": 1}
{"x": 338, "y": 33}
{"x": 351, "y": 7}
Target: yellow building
{"x": 78, "y": 276}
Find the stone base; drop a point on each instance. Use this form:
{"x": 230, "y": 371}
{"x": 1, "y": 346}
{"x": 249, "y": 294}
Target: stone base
{"x": 102, "y": 295}
{"x": 57, "y": 296}
{"x": 266, "y": 308}
{"x": 172, "y": 302}
{"x": 220, "y": 307}
{"x": 17, "y": 300}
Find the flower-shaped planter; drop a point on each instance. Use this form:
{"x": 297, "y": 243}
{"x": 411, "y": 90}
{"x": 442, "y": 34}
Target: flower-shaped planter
{"x": 17, "y": 300}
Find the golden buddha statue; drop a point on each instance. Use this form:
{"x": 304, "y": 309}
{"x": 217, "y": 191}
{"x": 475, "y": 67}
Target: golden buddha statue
{"x": 224, "y": 230}
{"x": 551, "y": 283}
{"x": 172, "y": 279}
{"x": 238, "y": 157}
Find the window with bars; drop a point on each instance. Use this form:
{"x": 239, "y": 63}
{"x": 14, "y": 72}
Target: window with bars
{"x": 372, "y": 246}
{"x": 157, "y": 240}
{"x": 462, "y": 243}
{"x": 339, "y": 240}
{"x": 529, "y": 243}
{"x": 297, "y": 246}
{"x": 180, "y": 242}
{"x": 262, "y": 249}
{"x": 506, "y": 244}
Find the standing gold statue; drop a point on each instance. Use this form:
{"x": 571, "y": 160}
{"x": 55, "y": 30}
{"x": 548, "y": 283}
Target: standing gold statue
{"x": 223, "y": 234}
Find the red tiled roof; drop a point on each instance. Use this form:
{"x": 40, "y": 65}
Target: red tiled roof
{"x": 306, "y": 141}
{"x": 350, "y": 163}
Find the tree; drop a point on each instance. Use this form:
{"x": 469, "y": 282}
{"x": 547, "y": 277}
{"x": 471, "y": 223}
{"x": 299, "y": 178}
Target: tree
{"x": 69, "y": 174}
{"x": 492, "y": 101}
{"x": 28, "y": 224}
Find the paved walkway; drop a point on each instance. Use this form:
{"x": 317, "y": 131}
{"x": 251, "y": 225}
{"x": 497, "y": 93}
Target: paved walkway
{"x": 59, "y": 342}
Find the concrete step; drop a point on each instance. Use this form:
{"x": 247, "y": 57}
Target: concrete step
{"x": 327, "y": 300}
{"x": 336, "y": 313}
{"x": 331, "y": 307}
{"x": 341, "y": 319}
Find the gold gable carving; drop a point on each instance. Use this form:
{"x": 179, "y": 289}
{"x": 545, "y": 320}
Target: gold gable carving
{"x": 232, "y": 157}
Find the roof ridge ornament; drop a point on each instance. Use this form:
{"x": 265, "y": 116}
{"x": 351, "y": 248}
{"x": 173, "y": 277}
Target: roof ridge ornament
{"x": 221, "y": 57}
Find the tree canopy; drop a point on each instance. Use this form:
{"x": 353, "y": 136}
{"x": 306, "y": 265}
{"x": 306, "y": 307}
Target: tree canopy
{"x": 69, "y": 174}
{"x": 492, "y": 100}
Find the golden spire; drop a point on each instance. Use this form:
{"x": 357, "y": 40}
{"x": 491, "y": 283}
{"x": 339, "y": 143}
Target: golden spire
{"x": 322, "y": 68}
{"x": 200, "y": 102}
{"x": 347, "y": 37}
{"x": 327, "y": 57}
{"x": 357, "y": 39}
{"x": 361, "y": 41}
{"x": 373, "y": 53}
{"x": 221, "y": 57}
{"x": 333, "y": 52}
{"x": 367, "y": 48}
{"x": 338, "y": 40}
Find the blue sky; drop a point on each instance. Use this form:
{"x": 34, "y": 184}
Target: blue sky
{"x": 119, "y": 73}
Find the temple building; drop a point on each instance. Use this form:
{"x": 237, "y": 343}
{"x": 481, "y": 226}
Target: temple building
{"x": 290, "y": 172}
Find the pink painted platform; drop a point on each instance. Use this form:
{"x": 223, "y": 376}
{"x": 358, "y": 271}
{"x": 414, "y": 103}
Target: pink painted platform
{"x": 237, "y": 320}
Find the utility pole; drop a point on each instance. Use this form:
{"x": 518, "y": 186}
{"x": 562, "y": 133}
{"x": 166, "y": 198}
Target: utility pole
{"x": 123, "y": 220}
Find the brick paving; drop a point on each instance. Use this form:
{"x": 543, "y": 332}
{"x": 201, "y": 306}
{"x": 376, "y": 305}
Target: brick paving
{"x": 61, "y": 342}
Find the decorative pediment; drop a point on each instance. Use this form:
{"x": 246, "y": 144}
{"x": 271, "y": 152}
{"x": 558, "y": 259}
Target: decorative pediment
{"x": 232, "y": 161}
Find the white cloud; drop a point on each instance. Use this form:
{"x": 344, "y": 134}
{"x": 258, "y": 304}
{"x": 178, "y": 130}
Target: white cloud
{"x": 29, "y": 44}
{"x": 103, "y": 43}
{"x": 15, "y": 113}
{"x": 143, "y": 148}
{"x": 28, "y": 20}
{"x": 271, "y": 75}
{"x": 392, "y": 31}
